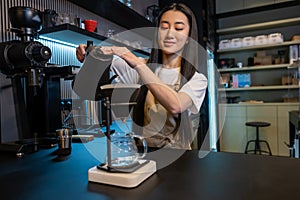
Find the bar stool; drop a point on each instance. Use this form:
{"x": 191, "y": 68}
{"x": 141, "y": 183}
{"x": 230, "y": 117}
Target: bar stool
{"x": 257, "y": 141}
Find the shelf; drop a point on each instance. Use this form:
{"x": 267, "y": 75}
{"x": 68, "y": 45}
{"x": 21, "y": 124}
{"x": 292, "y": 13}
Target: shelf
{"x": 266, "y": 84}
{"x": 118, "y": 13}
{"x": 75, "y": 36}
{"x": 272, "y": 87}
{"x": 260, "y": 26}
{"x": 254, "y": 68}
{"x": 266, "y": 46}
{"x": 258, "y": 9}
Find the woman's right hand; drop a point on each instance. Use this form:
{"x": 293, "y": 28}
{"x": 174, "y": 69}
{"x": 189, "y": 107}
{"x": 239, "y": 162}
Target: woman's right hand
{"x": 80, "y": 52}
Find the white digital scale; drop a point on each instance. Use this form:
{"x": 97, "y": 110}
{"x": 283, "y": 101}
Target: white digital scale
{"x": 123, "y": 178}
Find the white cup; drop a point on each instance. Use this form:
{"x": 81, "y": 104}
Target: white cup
{"x": 239, "y": 64}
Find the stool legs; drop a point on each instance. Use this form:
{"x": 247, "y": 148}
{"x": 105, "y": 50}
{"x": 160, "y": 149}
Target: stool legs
{"x": 257, "y": 146}
{"x": 269, "y": 149}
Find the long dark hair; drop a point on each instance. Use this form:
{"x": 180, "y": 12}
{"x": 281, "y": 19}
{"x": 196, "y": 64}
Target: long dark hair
{"x": 189, "y": 62}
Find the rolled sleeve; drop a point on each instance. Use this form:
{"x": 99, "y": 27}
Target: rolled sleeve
{"x": 125, "y": 73}
{"x": 195, "y": 88}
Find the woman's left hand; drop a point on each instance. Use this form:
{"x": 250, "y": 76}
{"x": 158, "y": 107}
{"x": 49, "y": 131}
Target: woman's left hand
{"x": 123, "y": 53}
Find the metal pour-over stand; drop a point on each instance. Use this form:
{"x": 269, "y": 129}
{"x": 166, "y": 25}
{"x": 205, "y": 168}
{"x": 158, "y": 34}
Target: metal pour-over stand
{"x": 125, "y": 176}
{"x": 88, "y": 77}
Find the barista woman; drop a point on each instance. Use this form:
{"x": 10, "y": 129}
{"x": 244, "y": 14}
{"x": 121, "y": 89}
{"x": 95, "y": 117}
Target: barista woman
{"x": 173, "y": 88}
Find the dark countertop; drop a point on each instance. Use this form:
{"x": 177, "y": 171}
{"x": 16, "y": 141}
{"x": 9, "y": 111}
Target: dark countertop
{"x": 217, "y": 176}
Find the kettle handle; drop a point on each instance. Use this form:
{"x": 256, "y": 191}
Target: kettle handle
{"x": 144, "y": 145}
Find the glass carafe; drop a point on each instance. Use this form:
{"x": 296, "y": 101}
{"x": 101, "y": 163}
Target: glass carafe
{"x": 124, "y": 150}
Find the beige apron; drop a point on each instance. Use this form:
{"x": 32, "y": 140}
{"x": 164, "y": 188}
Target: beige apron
{"x": 162, "y": 129}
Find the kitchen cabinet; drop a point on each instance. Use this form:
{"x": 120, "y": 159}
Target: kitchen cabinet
{"x": 232, "y": 119}
{"x": 234, "y": 134}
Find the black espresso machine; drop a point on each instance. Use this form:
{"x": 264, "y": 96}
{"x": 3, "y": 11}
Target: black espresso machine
{"x": 35, "y": 85}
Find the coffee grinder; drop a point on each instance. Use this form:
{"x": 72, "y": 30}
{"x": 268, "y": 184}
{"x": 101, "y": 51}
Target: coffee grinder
{"x": 24, "y": 61}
